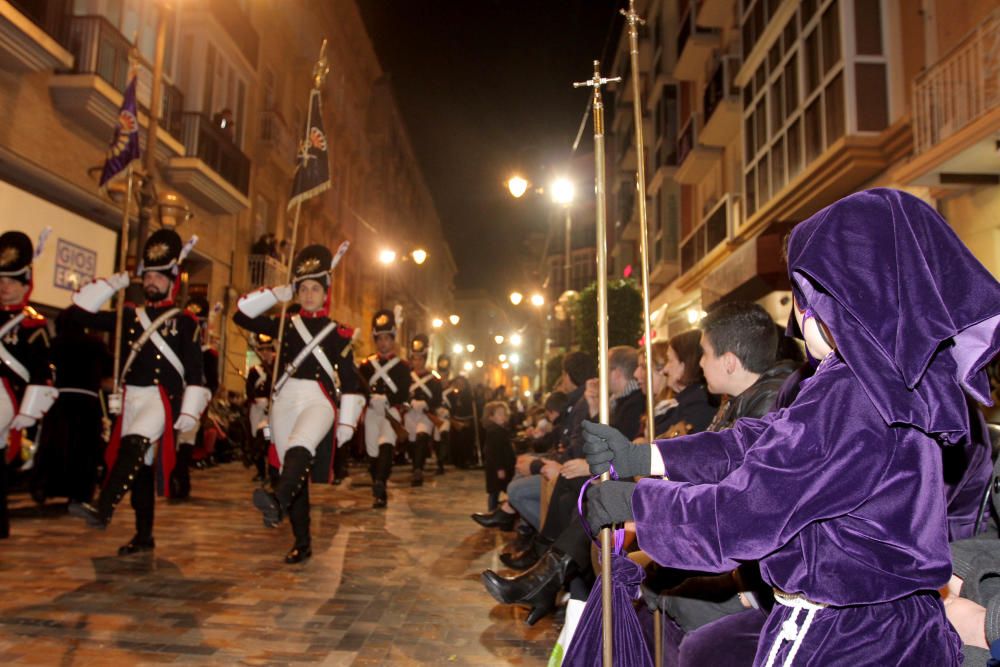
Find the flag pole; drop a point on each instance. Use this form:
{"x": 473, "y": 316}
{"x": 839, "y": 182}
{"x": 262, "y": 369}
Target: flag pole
{"x": 604, "y": 410}
{"x": 633, "y": 20}
{"x": 122, "y": 266}
{"x": 320, "y": 70}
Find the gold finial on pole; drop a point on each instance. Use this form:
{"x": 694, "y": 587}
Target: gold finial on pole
{"x": 321, "y": 68}
{"x": 604, "y": 412}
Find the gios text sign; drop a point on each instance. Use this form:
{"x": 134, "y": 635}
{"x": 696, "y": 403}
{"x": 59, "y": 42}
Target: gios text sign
{"x": 75, "y": 265}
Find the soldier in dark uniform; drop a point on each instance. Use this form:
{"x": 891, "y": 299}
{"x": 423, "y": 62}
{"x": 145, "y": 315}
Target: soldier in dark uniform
{"x": 25, "y": 371}
{"x": 181, "y": 479}
{"x": 316, "y": 354}
{"x": 425, "y": 399}
{"x": 388, "y": 379}
{"x": 163, "y": 384}
{"x": 463, "y": 423}
{"x": 442, "y": 429}
{"x": 258, "y": 389}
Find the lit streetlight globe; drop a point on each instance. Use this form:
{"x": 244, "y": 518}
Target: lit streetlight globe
{"x": 387, "y": 256}
{"x": 505, "y": 365}
{"x": 516, "y": 298}
{"x": 419, "y": 256}
{"x": 437, "y": 323}
{"x": 470, "y": 348}
{"x": 515, "y": 358}
{"x": 515, "y": 339}
{"x": 502, "y": 357}
{"x": 517, "y": 186}
{"x": 457, "y": 348}
{"x": 454, "y": 319}
{"x": 467, "y": 365}
{"x": 537, "y": 300}
{"x": 479, "y": 363}
{"x": 498, "y": 339}
{"x": 563, "y": 191}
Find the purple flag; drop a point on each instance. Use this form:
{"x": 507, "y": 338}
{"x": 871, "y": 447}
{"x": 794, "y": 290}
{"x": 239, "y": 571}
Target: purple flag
{"x": 124, "y": 147}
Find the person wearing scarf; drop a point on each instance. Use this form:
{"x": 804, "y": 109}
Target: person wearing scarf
{"x": 837, "y": 496}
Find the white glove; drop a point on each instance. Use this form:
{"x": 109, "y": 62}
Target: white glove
{"x": 283, "y": 293}
{"x": 119, "y": 281}
{"x": 344, "y": 434}
{"x": 185, "y": 423}
{"x": 21, "y": 422}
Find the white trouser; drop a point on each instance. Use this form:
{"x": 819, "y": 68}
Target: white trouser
{"x": 302, "y": 415}
{"x": 445, "y": 426}
{"x": 258, "y": 413}
{"x": 143, "y": 415}
{"x": 378, "y": 430}
{"x": 416, "y": 421}
{"x": 7, "y": 414}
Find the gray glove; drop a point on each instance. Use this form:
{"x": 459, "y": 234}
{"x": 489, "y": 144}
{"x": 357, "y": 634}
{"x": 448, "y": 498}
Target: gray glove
{"x": 603, "y": 445}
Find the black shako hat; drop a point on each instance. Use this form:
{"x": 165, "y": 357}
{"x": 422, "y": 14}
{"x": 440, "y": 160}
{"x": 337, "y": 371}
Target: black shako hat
{"x": 383, "y": 322}
{"x": 162, "y": 253}
{"x": 198, "y": 306}
{"x": 420, "y": 344}
{"x": 263, "y": 342}
{"x": 444, "y": 362}
{"x": 312, "y": 263}
{"x": 16, "y": 255}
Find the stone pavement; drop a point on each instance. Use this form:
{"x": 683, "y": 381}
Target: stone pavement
{"x": 395, "y": 587}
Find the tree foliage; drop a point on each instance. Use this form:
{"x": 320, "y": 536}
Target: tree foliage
{"x": 624, "y": 315}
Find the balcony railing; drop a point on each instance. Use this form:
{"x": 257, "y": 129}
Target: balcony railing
{"x": 721, "y": 85}
{"x": 236, "y": 23}
{"x": 216, "y": 149}
{"x": 689, "y": 26}
{"x": 714, "y": 228}
{"x": 98, "y": 48}
{"x": 688, "y": 138}
{"x": 959, "y": 88}
{"x": 264, "y": 270}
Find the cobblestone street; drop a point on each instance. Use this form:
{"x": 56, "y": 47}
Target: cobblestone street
{"x": 396, "y": 587}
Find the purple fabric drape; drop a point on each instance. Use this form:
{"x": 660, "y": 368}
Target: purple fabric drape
{"x": 628, "y": 643}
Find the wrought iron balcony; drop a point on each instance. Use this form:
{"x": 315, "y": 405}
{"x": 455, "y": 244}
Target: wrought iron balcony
{"x": 264, "y": 270}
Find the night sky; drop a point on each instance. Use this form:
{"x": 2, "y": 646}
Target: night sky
{"x": 485, "y": 88}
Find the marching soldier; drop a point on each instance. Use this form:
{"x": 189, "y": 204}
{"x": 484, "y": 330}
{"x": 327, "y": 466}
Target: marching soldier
{"x": 162, "y": 376}
{"x": 24, "y": 352}
{"x": 425, "y": 399}
{"x": 181, "y": 479}
{"x": 317, "y": 353}
{"x": 442, "y": 430}
{"x": 258, "y": 388}
{"x": 388, "y": 379}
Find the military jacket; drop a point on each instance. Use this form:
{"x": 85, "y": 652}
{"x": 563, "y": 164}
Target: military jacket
{"x": 426, "y": 387}
{"x": 28, "y": 343}
{"x": 399, "y": 374}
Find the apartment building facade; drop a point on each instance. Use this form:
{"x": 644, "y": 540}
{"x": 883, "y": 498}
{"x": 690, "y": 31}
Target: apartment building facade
{"x": 758, "y": 113}
{"x": 236, "y": 80}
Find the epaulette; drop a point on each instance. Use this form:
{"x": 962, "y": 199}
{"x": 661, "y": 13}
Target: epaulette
{"x": 345, "y": 331}
{"x": 32, "y": 318}
{"x": 190, "y": 314}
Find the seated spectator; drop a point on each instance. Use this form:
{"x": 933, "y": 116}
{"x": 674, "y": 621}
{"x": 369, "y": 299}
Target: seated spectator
{"x": 693, "y": 406}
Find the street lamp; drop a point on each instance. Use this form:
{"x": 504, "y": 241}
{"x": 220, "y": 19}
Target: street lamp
{"x": 498, "y": 339}
{"x": 479, "y": 363}
{"x": 505, "y": 365}
{"x": 419, "y": 256}
{"x": 467, "y": 366}
{"x": 470, "y": 348}
{"x": 516, "y": 298}
{"x": 515, "y": 358}
{"x": 515, "y": 339}
{"x": 457, "y": 348}
{"x": 563, "y": 191}
{"x": 454, "y": 319}
{"x": 517, "y": 186}
{"x": 537, "y": 300}
{"x": 502, "y": 357}
{"x": 387, "y": 256}
{"x": 437, "y": 323}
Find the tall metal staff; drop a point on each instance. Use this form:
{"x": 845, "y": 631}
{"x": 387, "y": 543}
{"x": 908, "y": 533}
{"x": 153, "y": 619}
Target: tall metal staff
{"x": 320, "y": 70}
{"x": 634, "y": 21}
{"x": 602, "y": 329}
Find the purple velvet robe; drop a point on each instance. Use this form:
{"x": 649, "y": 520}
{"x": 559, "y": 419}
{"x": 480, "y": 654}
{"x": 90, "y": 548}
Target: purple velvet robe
{"x": 832, "y": 503}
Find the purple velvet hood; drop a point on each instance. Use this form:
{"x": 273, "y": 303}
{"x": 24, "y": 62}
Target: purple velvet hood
{"x": 914, "y": 315}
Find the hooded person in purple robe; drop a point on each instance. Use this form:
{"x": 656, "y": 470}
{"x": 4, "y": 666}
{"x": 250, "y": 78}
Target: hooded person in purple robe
{"x": 835, "y": 495}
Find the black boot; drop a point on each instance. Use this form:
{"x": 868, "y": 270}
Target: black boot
{"x": 495, "y": 519}
{"x": 420, "y": 448}
{"x": 525, "y": 537}
{"x": 529, "y": 556}
{"x": 293, "y": 479}
{"x": 340, "y": 471}
{"x": 537, "y": 588}
{"x": 382, "y": 469}
{"x": 441, "y": 451}
{"x": 180, "y": 478}
{"x": 131, "y": 451}
{"x": 144, "y": 503}
{"x": 298, "y": 516}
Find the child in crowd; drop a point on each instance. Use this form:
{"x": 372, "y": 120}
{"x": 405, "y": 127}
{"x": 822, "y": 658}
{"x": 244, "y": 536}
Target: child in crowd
{"x": 498, "y": 455}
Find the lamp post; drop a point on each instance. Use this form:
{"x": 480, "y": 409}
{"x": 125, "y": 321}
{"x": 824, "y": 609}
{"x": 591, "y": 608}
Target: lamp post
{"x": 563, "y": 192}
